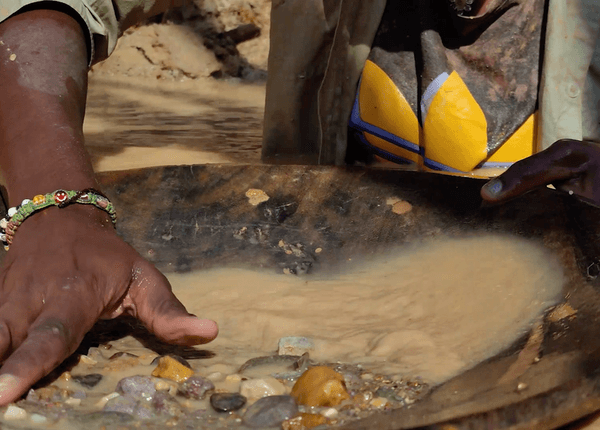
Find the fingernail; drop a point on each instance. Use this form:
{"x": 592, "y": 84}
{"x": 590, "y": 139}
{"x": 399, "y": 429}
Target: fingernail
{"x": 493, "y": 187}
{"x": 7, "y": 382}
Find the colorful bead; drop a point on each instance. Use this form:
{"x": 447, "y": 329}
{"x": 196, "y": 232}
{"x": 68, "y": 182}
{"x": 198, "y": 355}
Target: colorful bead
{"x": 103, "y": 203}
{"x": 60, "y": 196}
{"x": 39, "y": 200}
{"x": 24, "y": 202}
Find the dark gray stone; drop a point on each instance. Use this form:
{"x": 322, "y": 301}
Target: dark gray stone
{"x": 227, "y": 402}
{"x": 195, "y": 387}
{"x": 140, "y": 409}
{"x": 270, "y": 411}
{"x": 137, "y": 387}
{"x": 122, "y": 354}
{"x": 122, "y": 404}
{"x": 88, "y": 381}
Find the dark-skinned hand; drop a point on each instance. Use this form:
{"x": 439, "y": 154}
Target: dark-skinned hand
{"x": 571, "y": 166}
{"x": 66, "y": 269}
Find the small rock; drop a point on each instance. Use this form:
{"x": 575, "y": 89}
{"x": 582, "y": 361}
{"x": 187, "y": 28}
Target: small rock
{"x": 256, "y": 196}
{"x": 320, "y": 386}
{"x": 125, "y": 405}
{"x": 49, "y": 394}
{"x": 270, "y": 411}
{"x": 280, "y": 366}
{"x": 104, "y": 400}
{"x": 122, "y": 354}
{"x": 196, "y": 387}
{"x": 227, "y": 402}
{"x": 257, "y": 388}
{"x": 87, "y": 360}
{"x": 162, "y": 385}
{"x": 14, "y": 413}
{"x": 88, "y": 381}
{"x": 295, "y": 345}
{"x": 330, "y": 413}
{"x": 379, "y": 402}
{"x": 137, "y": 387}
{"x": 177, "y": 358}
{"x": 141, "y": 409}
{"x": 234, "y": 379}
{"x": 166, "y": 404}
{"x": 72, "y": 402}
{"x": 79, "y": 394}
{"x": 170, "y": 368}
{"x": 303, "y": 422}
{"x": 38, "y": 419}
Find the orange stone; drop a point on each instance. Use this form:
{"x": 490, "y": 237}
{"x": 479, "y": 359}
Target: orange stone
{"x": 320, "y": 386}
{"x": 169, "y": 368}
{"x": 304, "y": 422}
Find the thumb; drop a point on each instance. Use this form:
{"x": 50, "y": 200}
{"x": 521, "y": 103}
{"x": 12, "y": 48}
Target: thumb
{"x": 163, "y": 314}
{"x": 560, "y": 162}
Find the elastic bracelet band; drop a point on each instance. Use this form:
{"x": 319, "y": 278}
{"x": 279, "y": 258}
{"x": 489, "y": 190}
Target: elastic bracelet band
{"x": 61, "y": 198}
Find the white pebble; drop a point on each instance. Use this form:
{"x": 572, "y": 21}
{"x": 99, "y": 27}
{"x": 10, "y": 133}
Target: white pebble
{"x": 329, "y": 413}
{"x": 259, "y": 388}
{"x": 104, "y": 400}
{"x": 38, "y": 419}
{"x": 233, "y": 378}
{"x": 3, "y": 223}
{"x": 14, "y": 413}
{"x": 25, "y": 201}
{"x": 215, "y": 376}
{"x": 87, "y": 360}
{"x": 12, "y": 211}
{"x": 73, "y": 402}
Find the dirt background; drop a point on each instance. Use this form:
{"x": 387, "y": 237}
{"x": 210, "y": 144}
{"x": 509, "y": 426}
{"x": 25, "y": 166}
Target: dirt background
{"x": 181, "y": 89}
{"x": 195, "y": 41}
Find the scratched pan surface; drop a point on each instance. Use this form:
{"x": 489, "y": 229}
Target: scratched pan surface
{"x": 192, "y": 217}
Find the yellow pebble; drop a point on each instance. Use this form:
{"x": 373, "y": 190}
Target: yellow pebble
{"x": 379, "y": 402}
{"x": 320, "y": 386}
{"x": 169, "y": 368}
{"x": 303, "y": 422}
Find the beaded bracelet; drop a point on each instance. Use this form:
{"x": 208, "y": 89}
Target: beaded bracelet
{"x": 61, "y": 198}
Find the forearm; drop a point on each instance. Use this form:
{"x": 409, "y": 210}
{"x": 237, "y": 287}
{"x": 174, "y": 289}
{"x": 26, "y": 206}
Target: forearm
{"x": 43, "y": 86}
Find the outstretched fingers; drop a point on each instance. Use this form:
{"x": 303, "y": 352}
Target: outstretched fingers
{"x": 163, "y": 314}
{"x": 51, "y": 339}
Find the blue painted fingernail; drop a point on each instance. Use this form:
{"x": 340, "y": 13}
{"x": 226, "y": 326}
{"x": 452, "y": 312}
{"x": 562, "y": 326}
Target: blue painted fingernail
{"x": 494, "y": 187}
